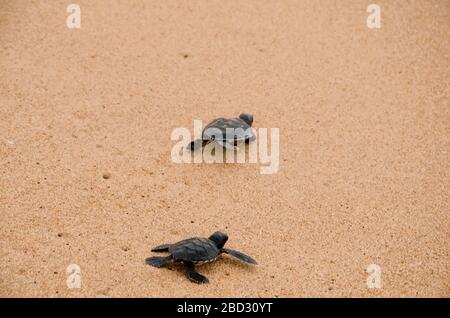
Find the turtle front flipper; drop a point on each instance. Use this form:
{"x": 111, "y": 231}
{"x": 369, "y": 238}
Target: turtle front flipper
{"x": 161, "y": 248}
{"x": 250, "y": 138}
{"x": 195, "y": 276}
{"x": 197, "y": 144}
{"x": 226, "y": 144}
{"x": 157, "y": 261}
{"x": 239, "y": 255}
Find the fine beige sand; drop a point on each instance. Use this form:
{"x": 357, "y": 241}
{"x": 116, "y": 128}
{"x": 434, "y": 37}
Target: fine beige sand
{"x": 364, "y": 141}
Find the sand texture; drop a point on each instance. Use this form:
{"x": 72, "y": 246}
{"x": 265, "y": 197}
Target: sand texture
{"x": 86, "y": 175}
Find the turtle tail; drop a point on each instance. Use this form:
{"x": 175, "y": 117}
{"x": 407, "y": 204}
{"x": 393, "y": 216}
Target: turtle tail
{"x": 158, "y": 261}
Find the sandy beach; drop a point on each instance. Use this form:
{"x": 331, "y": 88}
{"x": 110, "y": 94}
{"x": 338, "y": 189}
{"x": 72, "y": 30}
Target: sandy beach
{"x": 86, "y": 175}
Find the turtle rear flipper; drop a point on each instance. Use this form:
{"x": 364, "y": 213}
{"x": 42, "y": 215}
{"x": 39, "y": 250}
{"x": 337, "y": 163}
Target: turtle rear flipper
{"x": 226, "y": 144}
{"x": 240, "y": 256}
{"x": 161, "y": 248}
{"x": 197, "y": 144}
{"x": 195, "y": 276}
{"x": 157, "y": 261}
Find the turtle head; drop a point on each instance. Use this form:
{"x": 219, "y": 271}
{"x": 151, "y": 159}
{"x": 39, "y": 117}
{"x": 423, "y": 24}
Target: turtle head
{"x": 247, "y": 118}
{"x": 219, "y": 238}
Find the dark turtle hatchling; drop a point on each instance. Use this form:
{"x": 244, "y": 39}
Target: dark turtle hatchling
{"x": 195, "y": 251}
{"x": 227, "y": 132}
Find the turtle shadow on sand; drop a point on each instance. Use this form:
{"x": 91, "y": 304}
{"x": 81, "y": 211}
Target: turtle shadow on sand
{"x": 241, "y": 150}
{"x": 239, "y": 267}
{"x": 195, "y": 251}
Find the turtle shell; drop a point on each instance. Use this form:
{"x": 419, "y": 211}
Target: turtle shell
{"x": 219, "y": 127}
{"x": 196, "y": 250}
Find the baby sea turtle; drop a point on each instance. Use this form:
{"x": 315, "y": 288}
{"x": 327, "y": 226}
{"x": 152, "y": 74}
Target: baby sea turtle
{"x": 195, "y": 251}
{"x": 227, "y": 132}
